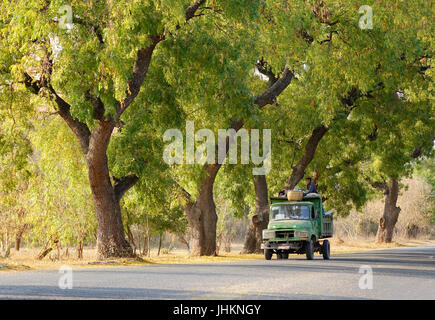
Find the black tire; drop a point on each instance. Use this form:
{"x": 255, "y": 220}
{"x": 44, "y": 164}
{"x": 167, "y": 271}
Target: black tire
{"x": 268, "y": 254}
{"x": 284, "y": 255}
{"x": 326, "y": 250}
{"x": 309, "y": 249}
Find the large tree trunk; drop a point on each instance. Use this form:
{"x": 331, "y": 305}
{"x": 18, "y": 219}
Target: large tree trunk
{"x": 260, "y": 219}
{"x": 309, "y": 152}
{"x": 111, "y": 240}
{"x": 202, "y": 218}
{"x": 18, "y": 240}
{"x": 79, "y": 248}
{"x": 201, "y": 213}
{"x": 19, "y": 236}
{"x": 391, "y": 213}
{"x": 21, "y": 228}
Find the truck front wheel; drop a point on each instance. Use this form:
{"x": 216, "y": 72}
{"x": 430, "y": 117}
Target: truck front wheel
{"x": 268, "y": 254}
{"x": 309, "y": 249}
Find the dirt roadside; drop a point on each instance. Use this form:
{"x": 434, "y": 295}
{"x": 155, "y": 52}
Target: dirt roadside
{"x": 24, "y": 259}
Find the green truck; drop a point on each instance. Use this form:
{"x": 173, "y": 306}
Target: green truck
{"x": 297, "y": 227}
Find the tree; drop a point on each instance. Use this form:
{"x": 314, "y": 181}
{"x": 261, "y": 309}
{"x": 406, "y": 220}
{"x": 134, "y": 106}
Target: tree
{"x": 260, "y": 218}
{"x": 280, "y": 49}
{"x": 91, "y": 72}
{"x": 332, "y": 96}
{"x": 15, "y": 167}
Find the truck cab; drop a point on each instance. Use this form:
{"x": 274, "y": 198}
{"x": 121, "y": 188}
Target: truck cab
{"x": 300, "y": 227}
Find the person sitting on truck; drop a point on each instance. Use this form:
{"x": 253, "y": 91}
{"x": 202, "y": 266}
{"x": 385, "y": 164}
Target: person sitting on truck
{"x": 311, "y": 187}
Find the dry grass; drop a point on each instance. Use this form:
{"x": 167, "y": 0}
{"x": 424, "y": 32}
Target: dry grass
{"x": 25, "y": 258}
{"x": 339, "y": 245}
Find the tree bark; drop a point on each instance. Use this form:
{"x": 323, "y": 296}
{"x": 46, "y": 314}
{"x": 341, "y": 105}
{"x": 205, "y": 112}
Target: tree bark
{"x": 260, "y": 219}
{"x": 18, "y": 241}
{"x": 202, "y": 218}
{"x": 391, "y": 213}
{"x": 79, "y": 248}
{"x": 309, "y": 152}
{"x": 111, "y": 240}
{"x": 19, "y": 236}
{"x": 22, "y": 226}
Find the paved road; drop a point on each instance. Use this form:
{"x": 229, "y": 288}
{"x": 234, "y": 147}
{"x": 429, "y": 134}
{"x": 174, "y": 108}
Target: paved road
{"x": 403, "y": 273}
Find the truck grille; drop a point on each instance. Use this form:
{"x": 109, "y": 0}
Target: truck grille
{"x": 285, "y": 234}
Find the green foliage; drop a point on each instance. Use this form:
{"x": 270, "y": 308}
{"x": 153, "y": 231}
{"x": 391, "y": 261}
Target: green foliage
{"x": 158, "y": 216}
{"x": 426, "y": 169}
{"x": 15, "y": 167}
{"x": 60, "y": 200}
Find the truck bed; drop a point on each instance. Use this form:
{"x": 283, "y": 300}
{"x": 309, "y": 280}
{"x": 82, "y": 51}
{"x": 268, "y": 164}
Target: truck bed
{"x": 327, "y": 228}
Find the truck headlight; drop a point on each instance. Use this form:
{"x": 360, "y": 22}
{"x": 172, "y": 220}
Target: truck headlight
{"x": 268, "y": 234}
{"x": 301, "y": 234}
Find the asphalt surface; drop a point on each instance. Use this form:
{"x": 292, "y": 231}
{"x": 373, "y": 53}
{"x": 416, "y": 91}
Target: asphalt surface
{"x": 402, "y": 273}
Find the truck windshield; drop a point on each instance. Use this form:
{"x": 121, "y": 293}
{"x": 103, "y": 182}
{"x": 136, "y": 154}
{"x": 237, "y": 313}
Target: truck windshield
{"x": 290, "y": 211}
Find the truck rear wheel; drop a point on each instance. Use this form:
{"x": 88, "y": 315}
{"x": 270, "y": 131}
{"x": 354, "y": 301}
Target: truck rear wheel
{"x": 268, "y": 254}
{"x": 309, "y": 249}
{"x": 282, "y": 255}
{"x": 326, "y": 250}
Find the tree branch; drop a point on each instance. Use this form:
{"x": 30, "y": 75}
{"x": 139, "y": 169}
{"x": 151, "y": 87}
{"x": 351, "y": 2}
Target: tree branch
{"x": 97, "y": 104}
{"x": 143, "y": 60}
{"x": 270, "y": 94}
{"x": 122, "y": 185}
{"x": 309, "y": 152}
{"x": 79, "y": 128}
{"x": 190, "y": 11}
{"x": 263, "y": 68}
{"x": 378, "y": 185}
